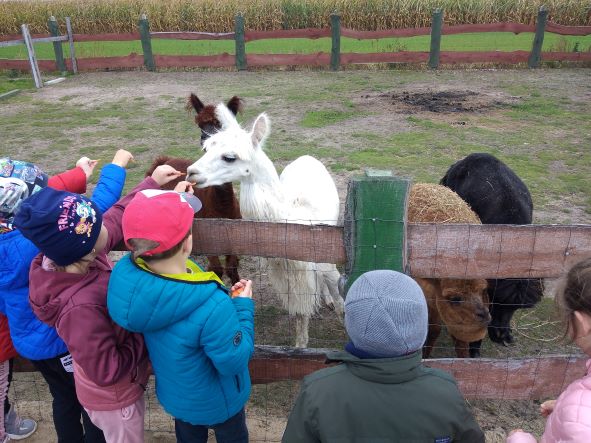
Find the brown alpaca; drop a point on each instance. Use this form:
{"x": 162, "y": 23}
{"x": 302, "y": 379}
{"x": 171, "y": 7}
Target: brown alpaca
{"x": 218, "y": 201}
{"x": 460, "y": 305}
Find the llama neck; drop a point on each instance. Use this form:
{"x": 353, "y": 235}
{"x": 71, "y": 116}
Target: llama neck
{"x": 261, "y": 194}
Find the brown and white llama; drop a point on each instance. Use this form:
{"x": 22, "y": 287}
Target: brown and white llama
{"x": 218, "y": 201}
{"x": 304, "y": 193}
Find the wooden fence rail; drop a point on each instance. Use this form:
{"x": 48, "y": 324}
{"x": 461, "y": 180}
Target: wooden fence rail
{"x": 335, "y": 58}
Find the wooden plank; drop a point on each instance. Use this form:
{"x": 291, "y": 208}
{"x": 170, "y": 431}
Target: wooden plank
{"x": 311, "y": 33}
{"x": 536, "y": 53}
{"x": 375, "y": 225}
{"x": 71, "y": 45}
{"x": 451, "y": 57}
{"x": 240, "y": 43}
{"x": 144, "y": 28}
{"x": 555, "y": 28}
{"x": 193, "y": 35}
{"x": 320, "y": 244}
{"x": 385, "y": 57}
{"x": 214, "y": 61}
{"x": 107, "y": 37}
{"x": 57, "y": 45}
{"x": 515, "y": 28}
{"x": 436, "y": 26}
{"x": 386, "y": 33}
{"x": 8, "y": 37}
{"x": 9, "y": 93}
{"x": 318, "y": 59}
{"x": 566, "y": 56}
{"x": 32, "y": 58}
{"x": 335, "y": 49}
{"x": 132, "y": 60}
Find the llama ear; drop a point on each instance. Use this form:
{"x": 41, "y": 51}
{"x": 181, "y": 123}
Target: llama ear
{"x": 225, "y": 117}
{"x": 260, "y": 129}
{"x": 194, "y": 102}
{"x": 235, "y": 105}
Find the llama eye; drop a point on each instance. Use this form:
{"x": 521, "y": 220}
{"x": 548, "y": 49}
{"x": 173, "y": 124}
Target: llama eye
{"x": 455, "y": 300}
{"x": 228, "y": 158}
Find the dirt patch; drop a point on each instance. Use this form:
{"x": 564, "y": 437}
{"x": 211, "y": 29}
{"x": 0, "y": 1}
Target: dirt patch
{"x": 410, "y": 102}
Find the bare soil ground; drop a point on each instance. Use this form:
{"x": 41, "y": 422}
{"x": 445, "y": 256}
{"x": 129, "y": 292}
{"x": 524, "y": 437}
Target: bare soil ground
{"x": 415, "y": 123}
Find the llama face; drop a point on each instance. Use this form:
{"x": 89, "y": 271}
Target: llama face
{"x": 229, "y": 154}
{"x": 463, "y": 307}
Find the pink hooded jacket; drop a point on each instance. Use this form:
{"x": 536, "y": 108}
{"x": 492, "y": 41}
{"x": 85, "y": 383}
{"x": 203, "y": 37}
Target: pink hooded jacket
{"x": 570, "y": 422}
{"x": 110, "y": 364}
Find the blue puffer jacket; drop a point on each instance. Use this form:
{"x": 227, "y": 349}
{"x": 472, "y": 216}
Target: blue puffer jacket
{"x": 198, "y": 338}
{"x": 32, "y": 338}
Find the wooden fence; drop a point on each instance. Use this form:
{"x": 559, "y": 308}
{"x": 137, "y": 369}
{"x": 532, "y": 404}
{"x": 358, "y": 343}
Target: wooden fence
{"x": 241, "y": 60}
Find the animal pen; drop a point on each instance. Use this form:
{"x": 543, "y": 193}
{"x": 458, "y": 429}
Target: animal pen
{"x": 376, "y": 235}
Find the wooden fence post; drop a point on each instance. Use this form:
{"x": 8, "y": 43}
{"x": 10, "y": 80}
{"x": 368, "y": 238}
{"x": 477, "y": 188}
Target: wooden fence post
{"x": 240, "y": 43}
{"x": 375, "y": 224}
{"x": 60, "y": 63}
{"x": 144, "y": 28}
{"x": 536, "y": 52}
{"x": 436, "y": 26}
{"x": 335, "y": 52}
{"x": 71, "y": 43}
{"x": 32, "y": 58}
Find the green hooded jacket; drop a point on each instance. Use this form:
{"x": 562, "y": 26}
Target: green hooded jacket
{"x": 381, "y": 400}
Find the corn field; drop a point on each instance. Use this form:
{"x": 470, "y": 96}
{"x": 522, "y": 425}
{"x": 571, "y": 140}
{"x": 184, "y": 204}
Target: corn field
{"x": 98, "y": 16}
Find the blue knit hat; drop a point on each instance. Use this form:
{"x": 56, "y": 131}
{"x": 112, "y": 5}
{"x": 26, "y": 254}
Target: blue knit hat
{"x": 18, "y": 180}
{"x": 386, "y": 314}
{"x": 63, "y": 225}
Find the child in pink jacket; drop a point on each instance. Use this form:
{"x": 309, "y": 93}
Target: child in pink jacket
{"x": 569, "y": 417}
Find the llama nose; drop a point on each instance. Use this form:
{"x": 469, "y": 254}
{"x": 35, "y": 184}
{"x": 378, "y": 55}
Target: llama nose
{"x": 483, "y": 315}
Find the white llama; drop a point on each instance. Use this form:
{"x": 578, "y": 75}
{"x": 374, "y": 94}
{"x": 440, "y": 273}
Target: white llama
{"x": 305, "y": 193}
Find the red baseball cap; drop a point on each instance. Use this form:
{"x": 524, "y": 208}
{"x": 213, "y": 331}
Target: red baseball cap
{"x": 161, "y": 216}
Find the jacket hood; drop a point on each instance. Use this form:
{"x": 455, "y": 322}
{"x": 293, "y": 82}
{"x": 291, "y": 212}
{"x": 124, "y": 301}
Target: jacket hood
{"x": 50, "y": 290}
{"x": 381, "y": 370}
{"x": 142, "y": 301}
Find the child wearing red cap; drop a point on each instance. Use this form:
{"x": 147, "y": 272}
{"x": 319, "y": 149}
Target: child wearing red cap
{"x": 68, "y": 285}
{"x": 199, "y": 338}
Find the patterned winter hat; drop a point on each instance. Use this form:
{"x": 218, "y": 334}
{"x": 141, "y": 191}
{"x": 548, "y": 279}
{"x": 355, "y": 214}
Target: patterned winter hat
{"x": 18, "y": 180}
{"x": 63, "y": 225}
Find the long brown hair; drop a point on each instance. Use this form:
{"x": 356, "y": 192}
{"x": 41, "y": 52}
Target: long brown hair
{"x": 574, "y": 294}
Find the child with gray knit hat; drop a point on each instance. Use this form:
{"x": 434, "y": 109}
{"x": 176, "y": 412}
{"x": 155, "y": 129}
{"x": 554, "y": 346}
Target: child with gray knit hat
{"x": 380, "y": 390}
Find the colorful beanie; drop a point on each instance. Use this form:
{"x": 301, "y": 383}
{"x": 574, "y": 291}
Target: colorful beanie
{"x": 18, "y": 180}
{"x": 63, "y": 225}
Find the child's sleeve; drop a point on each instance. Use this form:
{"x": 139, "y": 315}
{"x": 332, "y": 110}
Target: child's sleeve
{"x": 228, "y": 335}
{"x": 73, "y": 180}
{"x": 469, "y": 431}
{"x": 521, "y": 437}
{"x": 109, "y": 186}
{"x": 112, "y": 218}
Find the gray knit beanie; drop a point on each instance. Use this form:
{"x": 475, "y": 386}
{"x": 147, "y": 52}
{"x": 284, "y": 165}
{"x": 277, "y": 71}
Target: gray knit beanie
{"x": 386, "y": 314}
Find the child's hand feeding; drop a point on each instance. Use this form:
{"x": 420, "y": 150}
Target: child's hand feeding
{"x": 242, "y": 289}
{"x": 184, "y": 186}
{"x": 122, "y": 158}
{"x": 164, "y": 174}
{"x": 87, "y": 165}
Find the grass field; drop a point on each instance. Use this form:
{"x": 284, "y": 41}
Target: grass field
{"x": 500, "y": 41}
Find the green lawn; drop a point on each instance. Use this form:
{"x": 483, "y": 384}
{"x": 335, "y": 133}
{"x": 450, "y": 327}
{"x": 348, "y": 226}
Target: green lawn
{"x": 491, "y": 41}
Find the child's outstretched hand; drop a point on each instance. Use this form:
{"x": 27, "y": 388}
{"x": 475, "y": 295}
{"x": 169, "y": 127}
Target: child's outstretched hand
{"x": 242, "y": 289}
{"x": 87, "y": 165}
{"x": 122, "y": 158}
{"x": 184, "y": 186}
{"x": 547, "y": 407}
{"x": 164, "y": 174}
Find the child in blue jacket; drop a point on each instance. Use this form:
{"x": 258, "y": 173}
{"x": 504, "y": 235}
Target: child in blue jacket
{"x": 32, "y": 338}
{"x": 199, "y": 338}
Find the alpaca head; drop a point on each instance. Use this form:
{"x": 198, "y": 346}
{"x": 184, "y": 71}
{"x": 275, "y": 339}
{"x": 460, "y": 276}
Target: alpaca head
{"x": 463, "y": 307}
{"x": 231, "y": 153}
{"x": 206, "y": 117}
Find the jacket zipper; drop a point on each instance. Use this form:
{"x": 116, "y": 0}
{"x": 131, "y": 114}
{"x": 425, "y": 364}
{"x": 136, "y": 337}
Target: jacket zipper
{"x": 237, "y": 382}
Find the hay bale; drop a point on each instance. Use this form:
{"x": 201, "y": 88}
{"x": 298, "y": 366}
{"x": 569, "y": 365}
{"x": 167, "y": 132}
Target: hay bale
{"x": 431, "y": 203}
